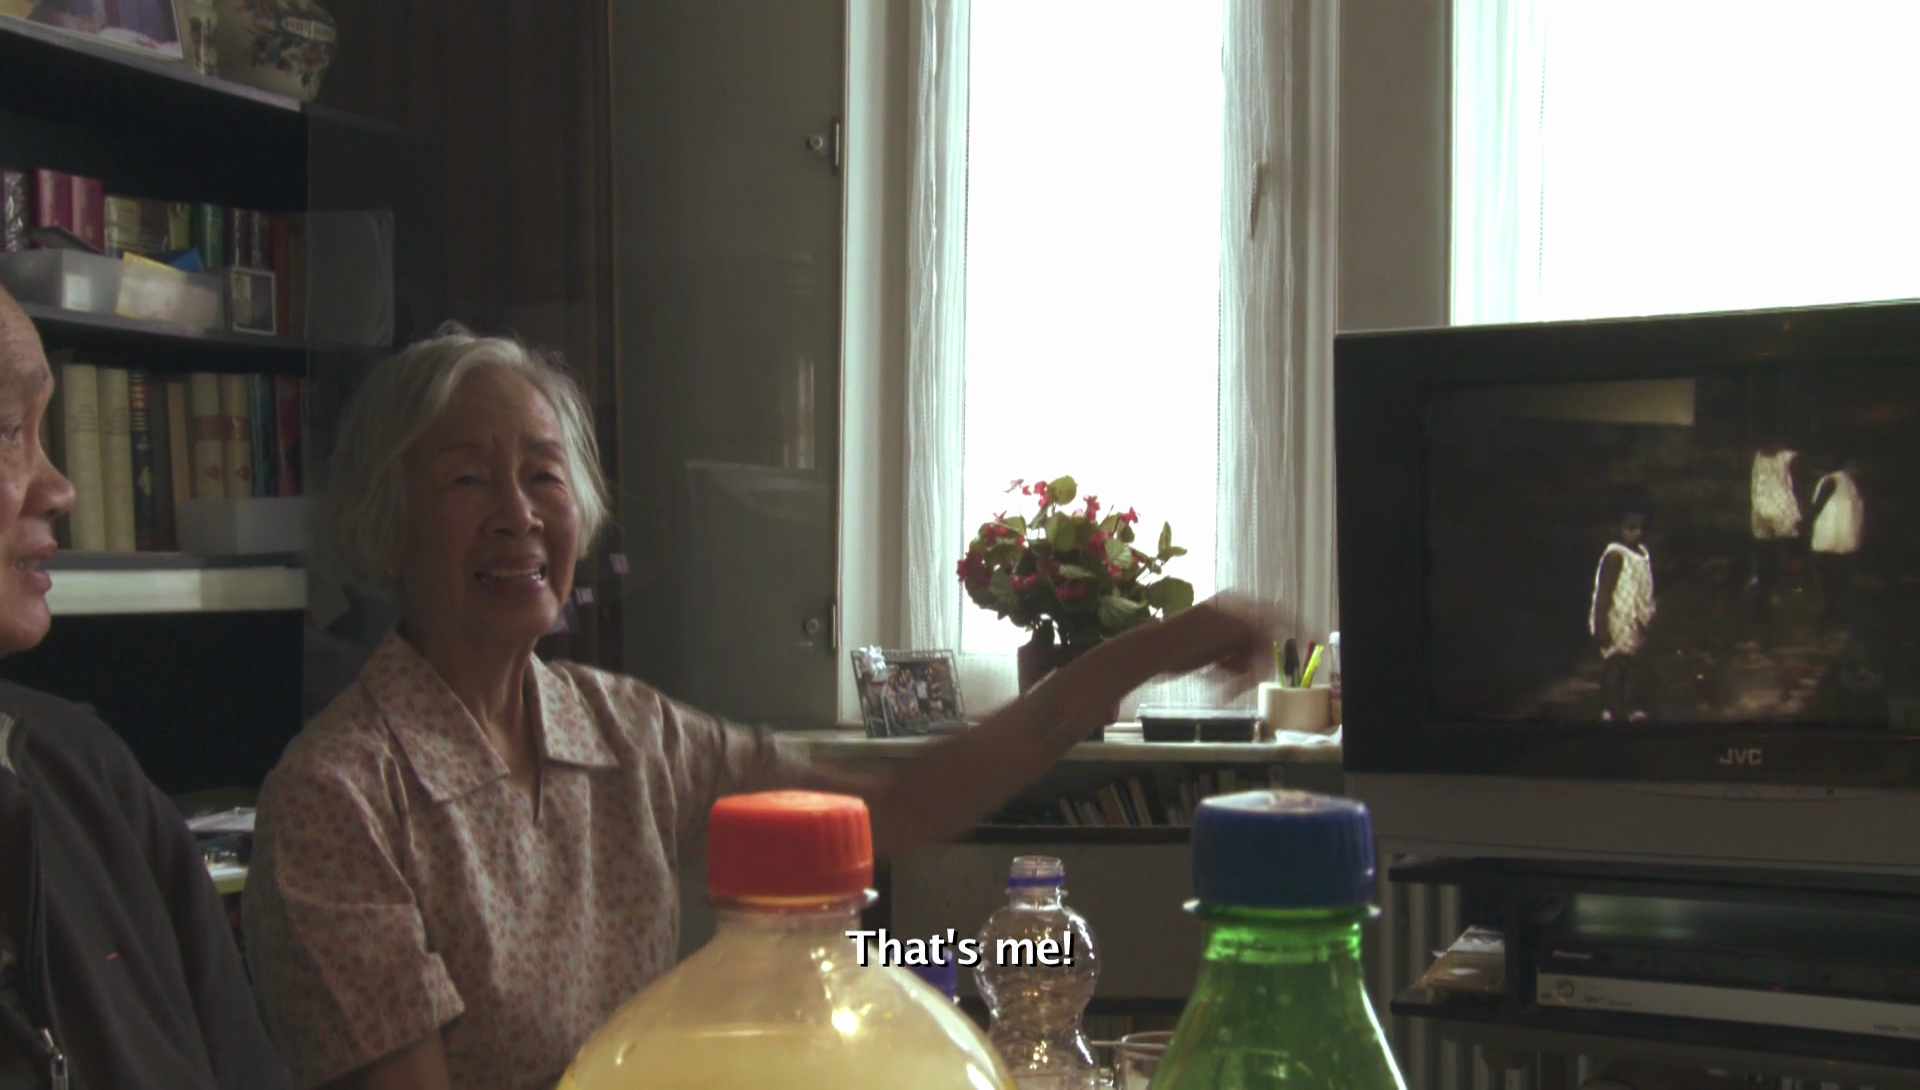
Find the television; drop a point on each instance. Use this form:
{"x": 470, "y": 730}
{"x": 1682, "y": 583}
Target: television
{"x": 1639, "y": 589}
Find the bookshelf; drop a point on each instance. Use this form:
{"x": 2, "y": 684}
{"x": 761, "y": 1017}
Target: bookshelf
{"x": 207, "y": 349}
{"x": 205, "y": 669}
{"x": 190, "y": 590}
{"x": 42, "y": 60}
{"x": 1080, "y": 834}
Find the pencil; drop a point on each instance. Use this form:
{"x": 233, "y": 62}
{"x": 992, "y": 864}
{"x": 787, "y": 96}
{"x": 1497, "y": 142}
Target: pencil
{"x": 1313, "y": 664}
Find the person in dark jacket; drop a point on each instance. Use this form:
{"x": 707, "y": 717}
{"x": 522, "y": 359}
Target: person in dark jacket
{"x": 118, "y": 969}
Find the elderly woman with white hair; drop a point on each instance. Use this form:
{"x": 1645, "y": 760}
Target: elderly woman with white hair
{"x": 470, "y": 858}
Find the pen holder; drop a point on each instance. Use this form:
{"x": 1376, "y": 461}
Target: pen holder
{"x": 1305, "y": 711}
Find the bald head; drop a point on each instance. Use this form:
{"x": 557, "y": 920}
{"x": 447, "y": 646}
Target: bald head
{"x": 10, "y": 311}
{"x": 33, "y": 494}
{"x": 22, "y": 359}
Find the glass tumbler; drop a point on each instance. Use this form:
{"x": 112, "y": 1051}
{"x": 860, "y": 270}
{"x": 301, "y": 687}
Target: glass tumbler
{"x": 1136, "y": 1057}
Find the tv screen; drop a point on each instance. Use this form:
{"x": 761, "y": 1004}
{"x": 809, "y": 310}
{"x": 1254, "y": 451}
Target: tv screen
{"x": 1738, "y": 546}
{"x": 1637, "y": 588}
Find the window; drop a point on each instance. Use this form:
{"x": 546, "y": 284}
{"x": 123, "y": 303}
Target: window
{"x": 1118, "y": 266}
{"x": 1092, "y": 257}
{"x": 1625, "y": 157}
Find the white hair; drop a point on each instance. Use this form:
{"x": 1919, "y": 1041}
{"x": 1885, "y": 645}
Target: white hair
{"x": 358, "y": 520}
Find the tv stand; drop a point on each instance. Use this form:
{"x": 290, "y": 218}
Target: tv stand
{"x": 1763, "y": 972}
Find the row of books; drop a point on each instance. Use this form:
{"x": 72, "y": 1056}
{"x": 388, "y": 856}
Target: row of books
{"x": 216, "y": 236}
{"x": 1142, "y": 799}
{"x": 137, "y": 446}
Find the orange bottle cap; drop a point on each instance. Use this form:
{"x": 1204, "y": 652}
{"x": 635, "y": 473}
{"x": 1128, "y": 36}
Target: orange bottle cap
{"x": 789, "y": 844}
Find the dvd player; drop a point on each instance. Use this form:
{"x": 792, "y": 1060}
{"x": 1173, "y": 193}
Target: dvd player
{"x": 1754, "y": 1006}
{"x": 1837, "y": 969}
{"x": 1730, "y": 968}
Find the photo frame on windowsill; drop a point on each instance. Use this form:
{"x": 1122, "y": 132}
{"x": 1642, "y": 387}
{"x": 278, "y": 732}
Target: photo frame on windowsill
{"x": 908, "y": 694}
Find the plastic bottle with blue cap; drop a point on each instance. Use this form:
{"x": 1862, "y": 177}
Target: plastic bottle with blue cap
{"x": 1284, "y": 880}
{"x": 1037, "y": 985}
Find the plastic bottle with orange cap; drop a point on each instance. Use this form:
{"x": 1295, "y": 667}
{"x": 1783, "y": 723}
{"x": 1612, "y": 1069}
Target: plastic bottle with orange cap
{"x": 779, "y": 996}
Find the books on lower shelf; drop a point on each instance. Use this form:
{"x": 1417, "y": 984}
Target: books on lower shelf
{"x": 137, "y": 446}
{"x": 1142, "y": 799}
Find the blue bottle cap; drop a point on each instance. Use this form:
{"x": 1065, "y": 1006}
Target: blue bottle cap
{"x": 944, "y": 976}
{"x": 1036, "y": 870}
{"x": 1283, "y": 849}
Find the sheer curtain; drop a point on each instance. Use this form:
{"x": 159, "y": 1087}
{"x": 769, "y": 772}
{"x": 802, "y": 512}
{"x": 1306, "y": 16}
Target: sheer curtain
{"x": 936, "y": 323}
{"x": 1279, "y": 269}
{"x": 1499, "y": 76}
{"x": 1109, "y": 281}
{"x": 1624, "y": 157}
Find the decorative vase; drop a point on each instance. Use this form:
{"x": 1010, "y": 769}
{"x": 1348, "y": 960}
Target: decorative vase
{"x": 282, "y": 46}
{"x": 199, "y": 24}
{"x": 1041, "y": 656}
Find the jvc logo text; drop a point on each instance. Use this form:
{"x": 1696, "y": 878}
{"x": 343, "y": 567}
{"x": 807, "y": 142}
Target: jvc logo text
{"x": 1739, "y": 756}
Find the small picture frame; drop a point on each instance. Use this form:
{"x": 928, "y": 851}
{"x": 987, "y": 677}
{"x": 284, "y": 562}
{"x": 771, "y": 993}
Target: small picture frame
{"x": 908, "y": 694}
{"x": 145, "y": 26}
{"x": 251, "y": 302}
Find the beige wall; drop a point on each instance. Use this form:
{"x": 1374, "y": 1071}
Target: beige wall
{"x": 873, "y": 395}
{"x": 1395, "y": 101}
{"x": 729, "y": 254}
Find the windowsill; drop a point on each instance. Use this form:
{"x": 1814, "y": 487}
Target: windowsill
{"x": 1122, "y": 743}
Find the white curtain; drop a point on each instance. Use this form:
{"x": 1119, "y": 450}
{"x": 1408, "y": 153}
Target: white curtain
{"x": 1626, "y": 157}
{"x": 1277, "y": 306}
{"x": 1499, "y": 79}
{"x": 1274, "y": 480}
{"x": 937, "y": 328}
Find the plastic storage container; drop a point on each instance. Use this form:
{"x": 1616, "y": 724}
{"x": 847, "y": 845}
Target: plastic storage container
{"x": 152, "y": 292}
{"x": 91, "y": 284}
{"x": 1284, "y": 880}
{"x": 68, "y": 279}
{"x": 779, "y": 999}
{"x": 1037, "y": 1006}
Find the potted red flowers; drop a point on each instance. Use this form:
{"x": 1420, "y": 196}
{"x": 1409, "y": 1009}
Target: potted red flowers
{"x": 1071, "y": 577}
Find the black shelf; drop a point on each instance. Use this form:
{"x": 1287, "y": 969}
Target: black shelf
{"x": 181, "y": 348}
{"x": 1103, "y": 1006}
{"x": 1761, "y": 1046}
{"x": 52, "y": 57}
{"x": 152, "y": 127}
{"x": 1081, "y": 834}
{"x": 144, "y": 125}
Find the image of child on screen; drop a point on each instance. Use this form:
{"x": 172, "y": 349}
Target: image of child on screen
{"x": 1778, "y": 599}
{"x": 1621, "y": 611}
{"x": 1839, "y": 516}
{"x": 1775, "y": 521}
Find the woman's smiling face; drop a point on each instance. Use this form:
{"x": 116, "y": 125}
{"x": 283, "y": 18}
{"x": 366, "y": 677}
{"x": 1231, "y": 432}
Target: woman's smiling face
{"x": 493, "y": 526}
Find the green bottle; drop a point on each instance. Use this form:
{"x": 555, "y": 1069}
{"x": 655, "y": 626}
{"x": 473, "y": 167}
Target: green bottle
{"x": 1284, "y": 879}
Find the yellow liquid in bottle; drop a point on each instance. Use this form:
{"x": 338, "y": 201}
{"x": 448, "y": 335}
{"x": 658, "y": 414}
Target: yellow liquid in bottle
{"x": 790, "y": 1060}
{"x": 790, "y": 1010}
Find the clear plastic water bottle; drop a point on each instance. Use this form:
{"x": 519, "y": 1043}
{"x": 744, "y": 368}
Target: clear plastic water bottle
{"x": 1284, "y": 881}
{"x": 1036, "y": 1007}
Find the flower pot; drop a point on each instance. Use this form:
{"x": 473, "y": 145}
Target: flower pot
{"x": 282, "y": 46}
{"x": 1041, "y": 656}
